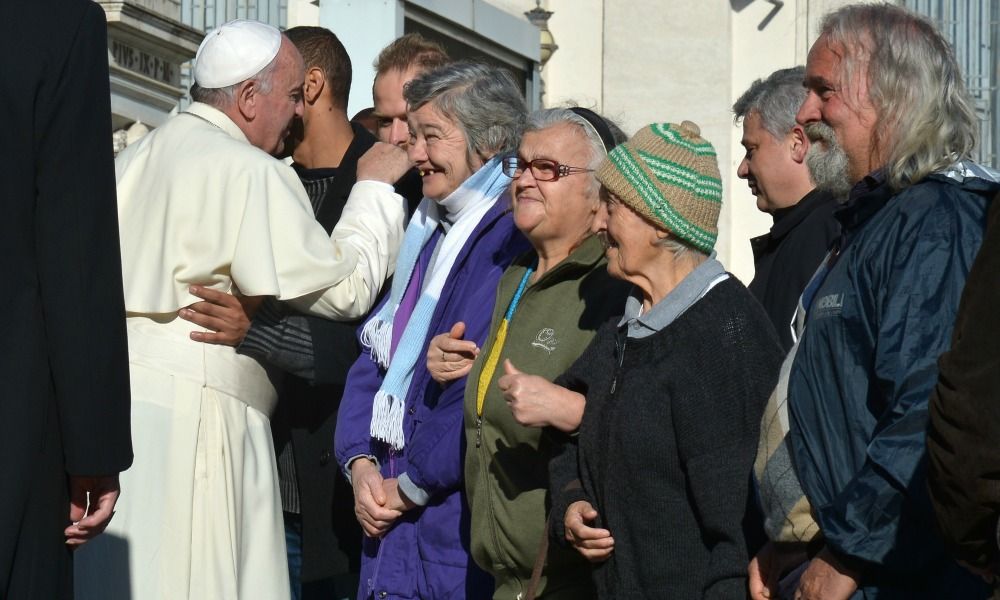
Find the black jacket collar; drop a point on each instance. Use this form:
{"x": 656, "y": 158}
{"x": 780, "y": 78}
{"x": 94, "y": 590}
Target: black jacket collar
{"x": 787, "y": 219}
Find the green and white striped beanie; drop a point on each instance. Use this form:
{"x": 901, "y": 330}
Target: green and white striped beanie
{"x": 670, "y": 175}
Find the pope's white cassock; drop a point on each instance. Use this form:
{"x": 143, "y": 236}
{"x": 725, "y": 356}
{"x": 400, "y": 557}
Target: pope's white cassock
{"x": 200, "y": 515}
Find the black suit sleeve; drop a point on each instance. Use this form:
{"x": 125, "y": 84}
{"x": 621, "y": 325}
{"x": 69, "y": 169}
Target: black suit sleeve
{"x": 336, "y": 349}
{"x": 79, "y": 265}
{"x": 963, "y": 440}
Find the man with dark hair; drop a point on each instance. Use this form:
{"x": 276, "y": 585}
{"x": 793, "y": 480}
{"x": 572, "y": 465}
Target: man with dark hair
{"x": 322, "y": 50}
{"x": 881, "y": 309}
{"x": 330, "y": 155}
{"x": 396, "y": 65}
{"x": 322, "y": 547}
{"x": 64, "y": 409}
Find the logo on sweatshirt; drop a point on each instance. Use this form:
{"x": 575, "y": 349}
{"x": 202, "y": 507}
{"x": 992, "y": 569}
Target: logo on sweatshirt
{"x": 546, "y": 340}
{"x": 830, "y": 305}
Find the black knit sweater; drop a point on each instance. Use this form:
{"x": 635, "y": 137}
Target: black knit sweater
{"x": 665, "y": 457}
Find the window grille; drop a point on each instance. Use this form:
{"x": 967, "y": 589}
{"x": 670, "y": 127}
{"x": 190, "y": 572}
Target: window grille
{"x": 971, "y": 27}
{"x": 208, "y": 14}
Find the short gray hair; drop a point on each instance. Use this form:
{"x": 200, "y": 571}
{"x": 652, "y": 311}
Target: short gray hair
{"x": 550, "y": 117}
{"x": 777, "y": 99}
{"x": 482, "y": 99}
{"x": 682, "y": 250}
{"x": 224, "y": 96}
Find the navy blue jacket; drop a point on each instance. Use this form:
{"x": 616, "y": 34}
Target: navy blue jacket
{"x": 878, "y": 318}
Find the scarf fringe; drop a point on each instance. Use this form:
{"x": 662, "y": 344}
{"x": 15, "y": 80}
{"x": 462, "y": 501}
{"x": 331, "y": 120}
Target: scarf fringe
{"x": 387, "y": 420}
{"x": 376, "y": 335}
{"x": 477, "y": 195}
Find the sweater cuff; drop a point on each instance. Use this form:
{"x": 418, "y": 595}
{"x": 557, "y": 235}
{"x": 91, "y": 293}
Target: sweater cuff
{"x": 255, "y": 341}
{"x": 350, "y": 461}
{"x": 557, "y": 530}
{"x": 415, "y": 494}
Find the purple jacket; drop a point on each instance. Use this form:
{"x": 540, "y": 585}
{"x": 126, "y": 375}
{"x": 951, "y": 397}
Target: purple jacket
{"x": 426, "y": 553}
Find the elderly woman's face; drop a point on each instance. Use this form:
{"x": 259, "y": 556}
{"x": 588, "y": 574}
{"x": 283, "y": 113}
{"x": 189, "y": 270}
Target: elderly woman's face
{"x": 630, "y": 241}
{"x": 439, "y": 151}
{"x": 559, "y": 211}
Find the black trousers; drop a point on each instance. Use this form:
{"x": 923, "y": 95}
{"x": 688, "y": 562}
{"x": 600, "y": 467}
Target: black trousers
{"x": 41, "y": 565}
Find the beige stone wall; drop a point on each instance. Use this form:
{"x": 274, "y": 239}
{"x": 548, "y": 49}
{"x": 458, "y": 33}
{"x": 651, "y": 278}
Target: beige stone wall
{"x": 302, "y": 12}
{"x": 574, "y": 73}
{"x": 648, "y": 60}
{"x": 764, "y": 40}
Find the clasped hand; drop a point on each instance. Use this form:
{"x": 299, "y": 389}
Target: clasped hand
{"x": 378, "y": 502}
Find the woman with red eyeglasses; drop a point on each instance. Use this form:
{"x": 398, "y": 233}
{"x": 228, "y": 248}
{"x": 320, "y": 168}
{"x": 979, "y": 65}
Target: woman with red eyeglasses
{"x": 549, "y": 304}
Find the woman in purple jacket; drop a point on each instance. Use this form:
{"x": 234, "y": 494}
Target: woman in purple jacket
{"x": 399, "y": 433}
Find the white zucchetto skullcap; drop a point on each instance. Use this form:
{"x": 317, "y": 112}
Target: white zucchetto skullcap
{"x": 235, "y": 52}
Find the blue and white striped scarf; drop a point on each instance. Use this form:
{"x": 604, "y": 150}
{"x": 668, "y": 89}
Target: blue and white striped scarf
{"x": 473, "y": 199}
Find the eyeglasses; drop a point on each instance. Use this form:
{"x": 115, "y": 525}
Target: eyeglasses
{"x": 542, "y": 169}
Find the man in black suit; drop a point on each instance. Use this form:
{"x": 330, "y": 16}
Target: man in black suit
{"x": 64, "y": 408}
{"x": 330, "y": 154}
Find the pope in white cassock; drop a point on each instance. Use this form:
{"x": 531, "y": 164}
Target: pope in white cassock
{"x": 202, "y": 201}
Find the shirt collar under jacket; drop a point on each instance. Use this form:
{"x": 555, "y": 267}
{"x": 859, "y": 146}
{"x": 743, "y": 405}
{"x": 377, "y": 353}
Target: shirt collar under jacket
{"x": 691, "y": 289}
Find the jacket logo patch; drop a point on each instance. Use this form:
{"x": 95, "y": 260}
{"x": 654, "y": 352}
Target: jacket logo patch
{"x": 829, "y": 306}
{"x": 546, "y": 340}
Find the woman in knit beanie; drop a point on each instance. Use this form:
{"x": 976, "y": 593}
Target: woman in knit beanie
{"x": 674, "y": 390}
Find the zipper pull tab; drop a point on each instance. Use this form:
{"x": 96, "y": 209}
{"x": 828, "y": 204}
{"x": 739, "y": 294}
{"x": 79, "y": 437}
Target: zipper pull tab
{"x": 479, "y": 432}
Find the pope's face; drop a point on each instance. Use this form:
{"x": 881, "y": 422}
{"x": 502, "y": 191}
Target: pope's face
{"x": 277, "y": 108}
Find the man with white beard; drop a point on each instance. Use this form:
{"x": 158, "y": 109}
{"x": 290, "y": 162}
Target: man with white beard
{"x": 881, "y": 309}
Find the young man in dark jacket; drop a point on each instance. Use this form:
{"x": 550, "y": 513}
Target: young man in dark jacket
{"x": 881, "y": 310}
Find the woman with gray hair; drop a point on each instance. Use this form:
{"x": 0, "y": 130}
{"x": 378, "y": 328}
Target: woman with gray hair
{"x": 658, "y": 492}
{"x": 399, "y": 434}
{"x": 549, "y": 305}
